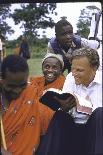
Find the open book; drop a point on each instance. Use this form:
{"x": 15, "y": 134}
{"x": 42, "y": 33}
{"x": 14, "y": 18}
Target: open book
{"x": 83, "y": 105}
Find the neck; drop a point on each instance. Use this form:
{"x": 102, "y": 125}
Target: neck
{"x": 65, "y": 48}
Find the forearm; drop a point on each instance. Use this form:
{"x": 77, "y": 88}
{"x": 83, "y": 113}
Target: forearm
{"x": 89, "y": 43}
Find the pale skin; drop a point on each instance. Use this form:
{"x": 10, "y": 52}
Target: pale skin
{"x": 51, "y": 69}
{"x": 83, "y": 73}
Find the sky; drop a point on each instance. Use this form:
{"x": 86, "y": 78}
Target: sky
{"x": 70, "y": 10}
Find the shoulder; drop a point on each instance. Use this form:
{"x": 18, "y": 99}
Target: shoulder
{"x": 53, "y": 41}
{"x": 69, "y": 76}
{"x": 52, "y": 44}
{"x": 98, "y": 77}
{"x": 69, "y": 80}
{"x": 69, "y": 83}
{"x": 36, "y": 79}
{"x": 77, "y": 40}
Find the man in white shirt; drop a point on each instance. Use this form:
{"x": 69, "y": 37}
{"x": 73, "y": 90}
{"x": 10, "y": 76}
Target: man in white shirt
{"x": 72, "y": 132}
{"x": 86, "y": 81}
{"x": 65, "y": 42}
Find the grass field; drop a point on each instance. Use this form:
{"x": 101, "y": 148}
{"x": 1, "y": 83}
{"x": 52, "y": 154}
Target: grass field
{"x": 35, "y": 66}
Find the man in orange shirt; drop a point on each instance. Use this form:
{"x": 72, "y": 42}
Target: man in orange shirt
{"x": 52, "y": 66}
{"x": 24, "y": 120}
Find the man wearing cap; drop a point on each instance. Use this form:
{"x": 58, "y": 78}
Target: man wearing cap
{"x": 52, "y": 66}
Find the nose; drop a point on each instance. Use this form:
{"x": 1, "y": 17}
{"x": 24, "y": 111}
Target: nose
{"x": 50, "y": 69}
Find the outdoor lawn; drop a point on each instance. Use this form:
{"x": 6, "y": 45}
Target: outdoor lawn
{"x": 35, "y": 66}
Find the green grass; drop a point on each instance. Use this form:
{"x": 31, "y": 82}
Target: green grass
{"x": 35, "y": 66}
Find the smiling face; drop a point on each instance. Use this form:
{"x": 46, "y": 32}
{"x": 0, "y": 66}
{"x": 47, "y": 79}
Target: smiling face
{"x": 51, "y": 69}
{"x": 14, "y": 84}
{"x": 65, "y": 36}
{"x": 82, "y": 71}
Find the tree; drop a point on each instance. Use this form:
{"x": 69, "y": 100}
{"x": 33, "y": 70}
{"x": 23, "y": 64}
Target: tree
{"x": 34, "y": 16}
{"x": 85, "y": 20}
{"x": 4, "y": 14}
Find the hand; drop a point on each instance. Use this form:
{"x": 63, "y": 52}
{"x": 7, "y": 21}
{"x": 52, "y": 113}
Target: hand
{"x": 5, "y": 152}
{"x": 68, "y": 103}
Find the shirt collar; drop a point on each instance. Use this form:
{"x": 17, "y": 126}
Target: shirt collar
{"x": 97, "y": 78}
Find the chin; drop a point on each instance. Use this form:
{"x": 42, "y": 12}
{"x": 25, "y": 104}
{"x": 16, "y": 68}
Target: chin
{"x": 50, "y": 81}
{"x": 77, "y": 82}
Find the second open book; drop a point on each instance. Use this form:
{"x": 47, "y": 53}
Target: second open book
{"x": 83, "y": 105}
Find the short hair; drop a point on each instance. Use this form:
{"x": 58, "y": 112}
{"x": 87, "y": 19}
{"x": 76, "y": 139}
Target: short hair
{"x": 14, "y": 64}
{"x": 90, "y": 53}
{"x": 60, "y": 24}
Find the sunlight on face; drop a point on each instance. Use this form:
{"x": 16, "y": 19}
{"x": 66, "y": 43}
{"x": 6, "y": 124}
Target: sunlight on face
{"x": 82, "y": 71}
{"x": 51, "y": 69}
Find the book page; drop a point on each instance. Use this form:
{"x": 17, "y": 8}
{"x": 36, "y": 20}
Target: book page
{"x": 83, "y": 105}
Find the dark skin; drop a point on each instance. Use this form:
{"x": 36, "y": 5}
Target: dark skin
{"x": 66, "y": 104}
{"x": 65, "y": 37}
{"x": 52, "y": 66}
{"x": 13, "y": 85}
{"x": 51, "y": 69}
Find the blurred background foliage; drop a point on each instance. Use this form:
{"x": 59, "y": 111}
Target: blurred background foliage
{"x": 32, "y": 17}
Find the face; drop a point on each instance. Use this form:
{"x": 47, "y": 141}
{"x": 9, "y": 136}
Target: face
{"x": 82, "y": 71}
{"x": 65, "y": 36}
{"x": 51, "y": 69}
{"x": 14, "y": 84}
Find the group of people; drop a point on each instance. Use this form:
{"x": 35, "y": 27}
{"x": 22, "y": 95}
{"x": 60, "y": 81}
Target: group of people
{"x": 31, "y": 128}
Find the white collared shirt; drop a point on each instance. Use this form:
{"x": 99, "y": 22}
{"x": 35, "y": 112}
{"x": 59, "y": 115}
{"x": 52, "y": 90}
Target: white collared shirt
{"x": 94, "y": 91}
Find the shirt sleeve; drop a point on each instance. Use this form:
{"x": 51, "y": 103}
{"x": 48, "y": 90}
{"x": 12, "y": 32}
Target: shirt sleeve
{"x": 69, "y": 84}
{"x": 89, "y": 43}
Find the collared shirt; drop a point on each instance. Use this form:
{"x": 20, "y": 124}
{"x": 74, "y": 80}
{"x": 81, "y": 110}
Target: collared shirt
{"x": 94, "y": 91}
